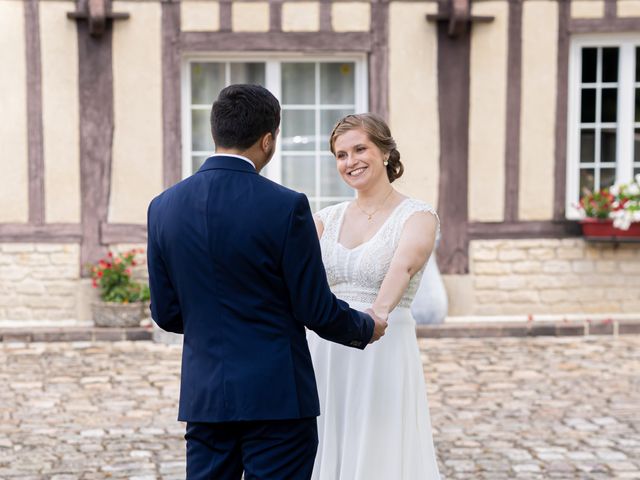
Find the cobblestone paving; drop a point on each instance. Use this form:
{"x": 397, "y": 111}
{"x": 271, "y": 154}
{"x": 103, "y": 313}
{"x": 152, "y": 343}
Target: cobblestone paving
{"x": 509, "y": 408}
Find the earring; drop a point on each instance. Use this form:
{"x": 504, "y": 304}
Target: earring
{"x": 386, "y": 161}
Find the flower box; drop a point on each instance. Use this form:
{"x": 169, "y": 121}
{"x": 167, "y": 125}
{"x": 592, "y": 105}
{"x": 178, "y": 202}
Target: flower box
{"x": 122, "y": 315}
{"x": 603, "y": 228}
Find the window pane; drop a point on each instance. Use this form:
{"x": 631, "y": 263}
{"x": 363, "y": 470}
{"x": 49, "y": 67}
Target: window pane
{"x": 207, "y": 79}
{"x": 587, "y": 145}
{"x": 586, "y": 180}
{"x": 607, "y": 177}
{"x": 197, "y": 161}
{"x": 328, "y": 120}
{"x": 589, "y": 64}
{"x": 637, "y": 111}
{"x": 298, "y": 83}
{"x": 608, "y": 145}
{"x": 331, "y": 183}
{"x": 201, "y": 131}
{"x": 337, "y": 84}
{"x": 298, "y": 130}
{"x": 253, "y": 73}
{"x": 609, "y": 64}
{"x": 636, "y": 145}
{"x": 298, "y": 173}
{"x": 588, "y": 105}
{"x": 638, "y": 64}
{"x": 609, "y": 104}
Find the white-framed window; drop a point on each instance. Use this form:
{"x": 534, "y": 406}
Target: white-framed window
{"x": 603, "y": 144}
{"x": 314, "y": 92}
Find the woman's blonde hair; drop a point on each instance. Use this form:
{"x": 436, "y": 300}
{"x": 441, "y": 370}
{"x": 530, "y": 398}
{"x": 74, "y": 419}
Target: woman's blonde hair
{"x": 378, "y": 132}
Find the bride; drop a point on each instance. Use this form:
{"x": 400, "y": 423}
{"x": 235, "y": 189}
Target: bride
{"x": 375, "y": 421}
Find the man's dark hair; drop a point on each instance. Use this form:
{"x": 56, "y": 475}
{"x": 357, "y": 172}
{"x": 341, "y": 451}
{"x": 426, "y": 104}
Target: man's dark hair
{"x": 242, "y": 114}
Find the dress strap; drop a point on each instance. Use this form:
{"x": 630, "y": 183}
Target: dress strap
{"x": 331, "y": 218}
{"x": 410, "y": 207}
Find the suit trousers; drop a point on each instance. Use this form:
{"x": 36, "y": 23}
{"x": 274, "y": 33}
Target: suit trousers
{"x": 263, "y": 450}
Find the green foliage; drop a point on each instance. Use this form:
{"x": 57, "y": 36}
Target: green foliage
{"x": 112, "y": 275}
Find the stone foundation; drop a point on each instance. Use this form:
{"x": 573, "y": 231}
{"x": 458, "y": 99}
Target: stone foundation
{"x": 552, "y": 276}
{"x": 39, "y": 282}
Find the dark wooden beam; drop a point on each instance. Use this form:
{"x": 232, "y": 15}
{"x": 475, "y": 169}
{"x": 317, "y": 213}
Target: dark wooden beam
{"x": 603, "y": 25}
{"x": 98, "y": 15}
{"x": 379, "y": 60}
{"x": 171, "y": 118}
{"x": 514, "y": 108}
{"x": 47, "y": 233}
{"x": 326, "y": 16}
{"x": 111, "y": 233}
{"x": 275, "y": 41}
{"x": 96, "y": 136}
{"x": 275, "y": 16}
{"x": 562, "y": 105}
{"x": 514, "y": 230}
{"x": 610, "y": 8}
{"x": 453, "y": 108}
{"x": 35, "y": 139}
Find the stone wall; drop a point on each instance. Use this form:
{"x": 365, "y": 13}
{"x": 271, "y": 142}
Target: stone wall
{"x": 39, "y": 282}
{"x": 549, "y": 276}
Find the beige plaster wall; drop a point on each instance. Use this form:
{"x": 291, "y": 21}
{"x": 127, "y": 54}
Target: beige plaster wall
{"x": 413, "y": 102}
{"x": 136, "y": 175}
{"x": 199, "y": 16}
{"x": 300, "y": 16}
{"x": 487, "y": 113}
{"x": 537, "y": 127}
{"x": 14, "y": 187}
{"x": 351, "y": 16}
{"x": 60, "y": 107}
{"x": 250, "y": 16}
{"x": 587, "y": 8}
{"x": 629, "y": 8}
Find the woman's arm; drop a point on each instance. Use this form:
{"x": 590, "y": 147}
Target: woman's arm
{"x": 319, "y": 226}
{"x": 415, "y": 246}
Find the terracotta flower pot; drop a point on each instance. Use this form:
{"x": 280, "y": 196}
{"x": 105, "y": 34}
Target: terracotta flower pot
{"x": 603, "y": 228}
{"x": 109, "y": 314}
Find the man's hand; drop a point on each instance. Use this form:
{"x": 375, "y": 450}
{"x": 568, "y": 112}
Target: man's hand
{"x": 379, "y": 327}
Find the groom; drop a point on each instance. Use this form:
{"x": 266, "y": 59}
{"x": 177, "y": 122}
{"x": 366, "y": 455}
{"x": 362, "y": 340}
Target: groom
{"x": 234, "y": 264}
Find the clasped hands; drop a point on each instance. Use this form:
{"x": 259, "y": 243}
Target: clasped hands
{"x": 379, "y": 327}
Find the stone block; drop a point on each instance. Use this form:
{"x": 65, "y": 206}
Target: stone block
{"x": 16, "y": 247}
{"x": 542, "y": 253}
{"x": 484, "y": 254}
{"x": 486, "y": 282}
{"x": 570, "y": 253}
{"x": 511, "y": 282}
{"x": 554, "y": 296}
{"x": 556, "y": 266}
{"x": 526, "y": 296}
{"x": 512, "y": 255}
{"x": 529, "y": 266}
{"x": 582, "y": 266}
{"x": 492, "y": 268}
{"x": 491, "y": 297}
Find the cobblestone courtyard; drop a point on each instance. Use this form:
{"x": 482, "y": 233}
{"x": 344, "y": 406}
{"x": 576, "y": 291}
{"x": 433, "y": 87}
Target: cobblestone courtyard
{"x": 507, "y": 408}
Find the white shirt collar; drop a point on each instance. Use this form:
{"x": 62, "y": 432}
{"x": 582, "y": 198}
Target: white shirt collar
{"x": 236, "y": 156}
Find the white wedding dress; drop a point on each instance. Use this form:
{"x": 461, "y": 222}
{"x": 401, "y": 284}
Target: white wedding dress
{"x": 374, "y": 422}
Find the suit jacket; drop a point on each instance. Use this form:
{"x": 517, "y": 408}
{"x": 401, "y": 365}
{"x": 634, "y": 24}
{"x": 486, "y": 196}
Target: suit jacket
{"x": 235, "y": 264}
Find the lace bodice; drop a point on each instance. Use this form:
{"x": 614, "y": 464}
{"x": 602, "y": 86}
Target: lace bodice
{"x": 355, "y": 274}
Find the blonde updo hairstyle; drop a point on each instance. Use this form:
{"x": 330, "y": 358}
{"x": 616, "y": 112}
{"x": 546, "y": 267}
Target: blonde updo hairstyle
{"x": 378, "y": 132}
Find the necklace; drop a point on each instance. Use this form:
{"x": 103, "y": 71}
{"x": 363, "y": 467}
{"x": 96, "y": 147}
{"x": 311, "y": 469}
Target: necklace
{"x": 370, "y": 215}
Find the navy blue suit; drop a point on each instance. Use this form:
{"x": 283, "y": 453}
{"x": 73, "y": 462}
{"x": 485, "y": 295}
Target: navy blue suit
{"x": 234, "y": 264}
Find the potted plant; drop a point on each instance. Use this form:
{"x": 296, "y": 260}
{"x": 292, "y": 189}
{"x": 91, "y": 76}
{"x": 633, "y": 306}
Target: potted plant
{"x": 613, "y": 212}
{"x": 122, "y": 299}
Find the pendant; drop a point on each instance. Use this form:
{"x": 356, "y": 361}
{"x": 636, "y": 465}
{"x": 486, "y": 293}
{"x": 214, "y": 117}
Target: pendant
{"x": 369, "y": 218}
